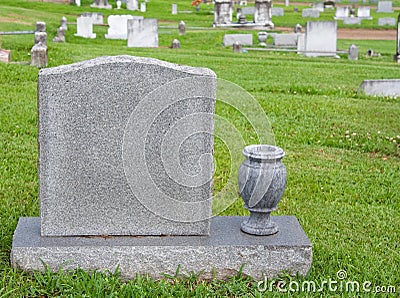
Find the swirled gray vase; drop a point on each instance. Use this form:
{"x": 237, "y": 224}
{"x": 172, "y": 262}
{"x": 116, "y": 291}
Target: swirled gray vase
{"x": 262, "y": 181}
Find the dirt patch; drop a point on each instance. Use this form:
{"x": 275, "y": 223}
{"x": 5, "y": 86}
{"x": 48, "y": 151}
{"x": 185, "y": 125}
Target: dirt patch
{"x": 13, "y": 20}
{"x": 366, "y": 34}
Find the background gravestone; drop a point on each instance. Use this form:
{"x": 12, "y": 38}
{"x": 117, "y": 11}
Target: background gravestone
{"x": 386, "y": 22}
{"x": 243, "y": 39}
{"x": 342, "y": 12}
{"x": 84, "y": 180}
{"x": 118, "y": 26}
{"x": 142, "y": 32}
{"x": 384, "y": 6}
{"x": 321, "y": 38}
{"x": 84, "y": 27}
{"x": 310, "y": 13}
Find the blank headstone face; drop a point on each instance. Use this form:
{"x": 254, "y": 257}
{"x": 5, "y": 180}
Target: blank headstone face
{"x": 342, "y": 12}
{"x": 132, "y": 4}
{"x": 243, "y": 39}
{"x": 384, "y": 6}
{"x": 142, "y": 6}
{"x": 321, "y": 36}
{"x": 277, "y": 12}
{"x": 310, "y": 13}
{"x": 289, "y": 40}
{"x": 118, "y": 26}
{"x": 386, "y": 22}
{"x": 114, "y": 134}
{"x": 364, "y": 12}
{"x": 174, "y": 8}
{"x": 142, "y": 33}
{"x": 85, "y": 27}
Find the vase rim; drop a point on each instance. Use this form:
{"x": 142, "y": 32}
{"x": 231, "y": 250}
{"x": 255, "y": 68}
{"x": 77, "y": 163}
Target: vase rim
{"x": 263, "y": 152}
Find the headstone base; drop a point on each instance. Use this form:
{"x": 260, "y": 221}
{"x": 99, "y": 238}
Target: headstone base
{"x": 396, "y": 58}
{"x": 222, "y": 253}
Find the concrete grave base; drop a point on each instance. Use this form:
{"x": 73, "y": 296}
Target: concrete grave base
{"x": 223, "y": 252}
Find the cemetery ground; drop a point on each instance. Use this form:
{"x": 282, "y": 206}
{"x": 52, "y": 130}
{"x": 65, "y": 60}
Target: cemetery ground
{"x": 342, "y": 149}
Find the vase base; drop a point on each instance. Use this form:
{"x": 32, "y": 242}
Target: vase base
{"x": 271, "y": 229}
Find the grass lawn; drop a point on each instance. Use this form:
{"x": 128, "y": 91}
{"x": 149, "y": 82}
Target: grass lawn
{"x": 342, "y": 150}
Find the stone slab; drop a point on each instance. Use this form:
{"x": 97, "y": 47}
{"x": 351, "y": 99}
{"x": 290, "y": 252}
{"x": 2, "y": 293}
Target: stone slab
{"x": 108, "y": 157}
{"x": 118, "y": 26}
{"x": 385, "y": 6}
{"x": 380, "y": 87}
{"x": 342, "y": 12}
{"x": 142, "y": 33}
{"x": 84, "y": 27}
{"x": 352, "y": 21}
{"x": 243, "y": 39}
{"x": 225, "y": 250}
{"x": 277, "y": 11}
{"x": 386, "y": 22}
{"x": 287, "y": 39}
{"x": 321, "y": 38}
{"x": 310, "y": 13}
{"x": 364, "y": 12}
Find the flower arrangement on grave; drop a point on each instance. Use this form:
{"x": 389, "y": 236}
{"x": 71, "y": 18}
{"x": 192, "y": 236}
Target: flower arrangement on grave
{"x": 197, "y": 4}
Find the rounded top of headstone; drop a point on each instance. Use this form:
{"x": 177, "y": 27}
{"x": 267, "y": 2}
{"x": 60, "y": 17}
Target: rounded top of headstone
{"x": 125, "y": 59}
{"x": 40, "y": 27}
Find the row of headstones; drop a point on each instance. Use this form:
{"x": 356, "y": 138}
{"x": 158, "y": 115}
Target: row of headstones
{"x": 262, "y": 12}
{"x": 39, "y": 49}
{"x": 139, "y": 31}
{"x": 320, "y": 39}
{"x": 130, "y": 4}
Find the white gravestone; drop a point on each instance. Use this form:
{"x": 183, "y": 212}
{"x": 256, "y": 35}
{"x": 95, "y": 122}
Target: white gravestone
{"x": 321, "y": 39}
{"x": 142, "y": 6}
{"x": 385, "y": 6}
{"x": 342, "y": 12}
{"x": 174, "y": 8}
{"x": 118, "y": 26}
{"x": 310, "y": 13}
{"x": 243, "y": 39}
{"x": 84, "y": 27}
{"x": 132, "y": 5}
{"x": 142, "y": 33}
{"x": 386, "y": 22}
{"x": 364, "y": 12}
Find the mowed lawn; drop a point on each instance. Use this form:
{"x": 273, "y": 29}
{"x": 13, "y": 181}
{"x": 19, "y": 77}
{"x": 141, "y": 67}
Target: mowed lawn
{"x": 342, "y": 151}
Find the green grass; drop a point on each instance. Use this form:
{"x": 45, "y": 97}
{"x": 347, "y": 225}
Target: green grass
{"x": 342, "y": 150}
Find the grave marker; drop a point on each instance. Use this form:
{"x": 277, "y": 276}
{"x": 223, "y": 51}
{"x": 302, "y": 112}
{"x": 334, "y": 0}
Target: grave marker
{"x": 310, "y": 13}
{"x": 342, "y": 12}
{"x": 386, "y": 22}
{"x": 118, "y": 26}
{"x": 84, "y": 27}
{"x": 321, "y": 38}
{"x": 132, "y": 5}
{"x": 126, "y": 149}
{"x": 142, "y": 33}
{"x": 243, "y": 39}
{"x": 385, "y": 6}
